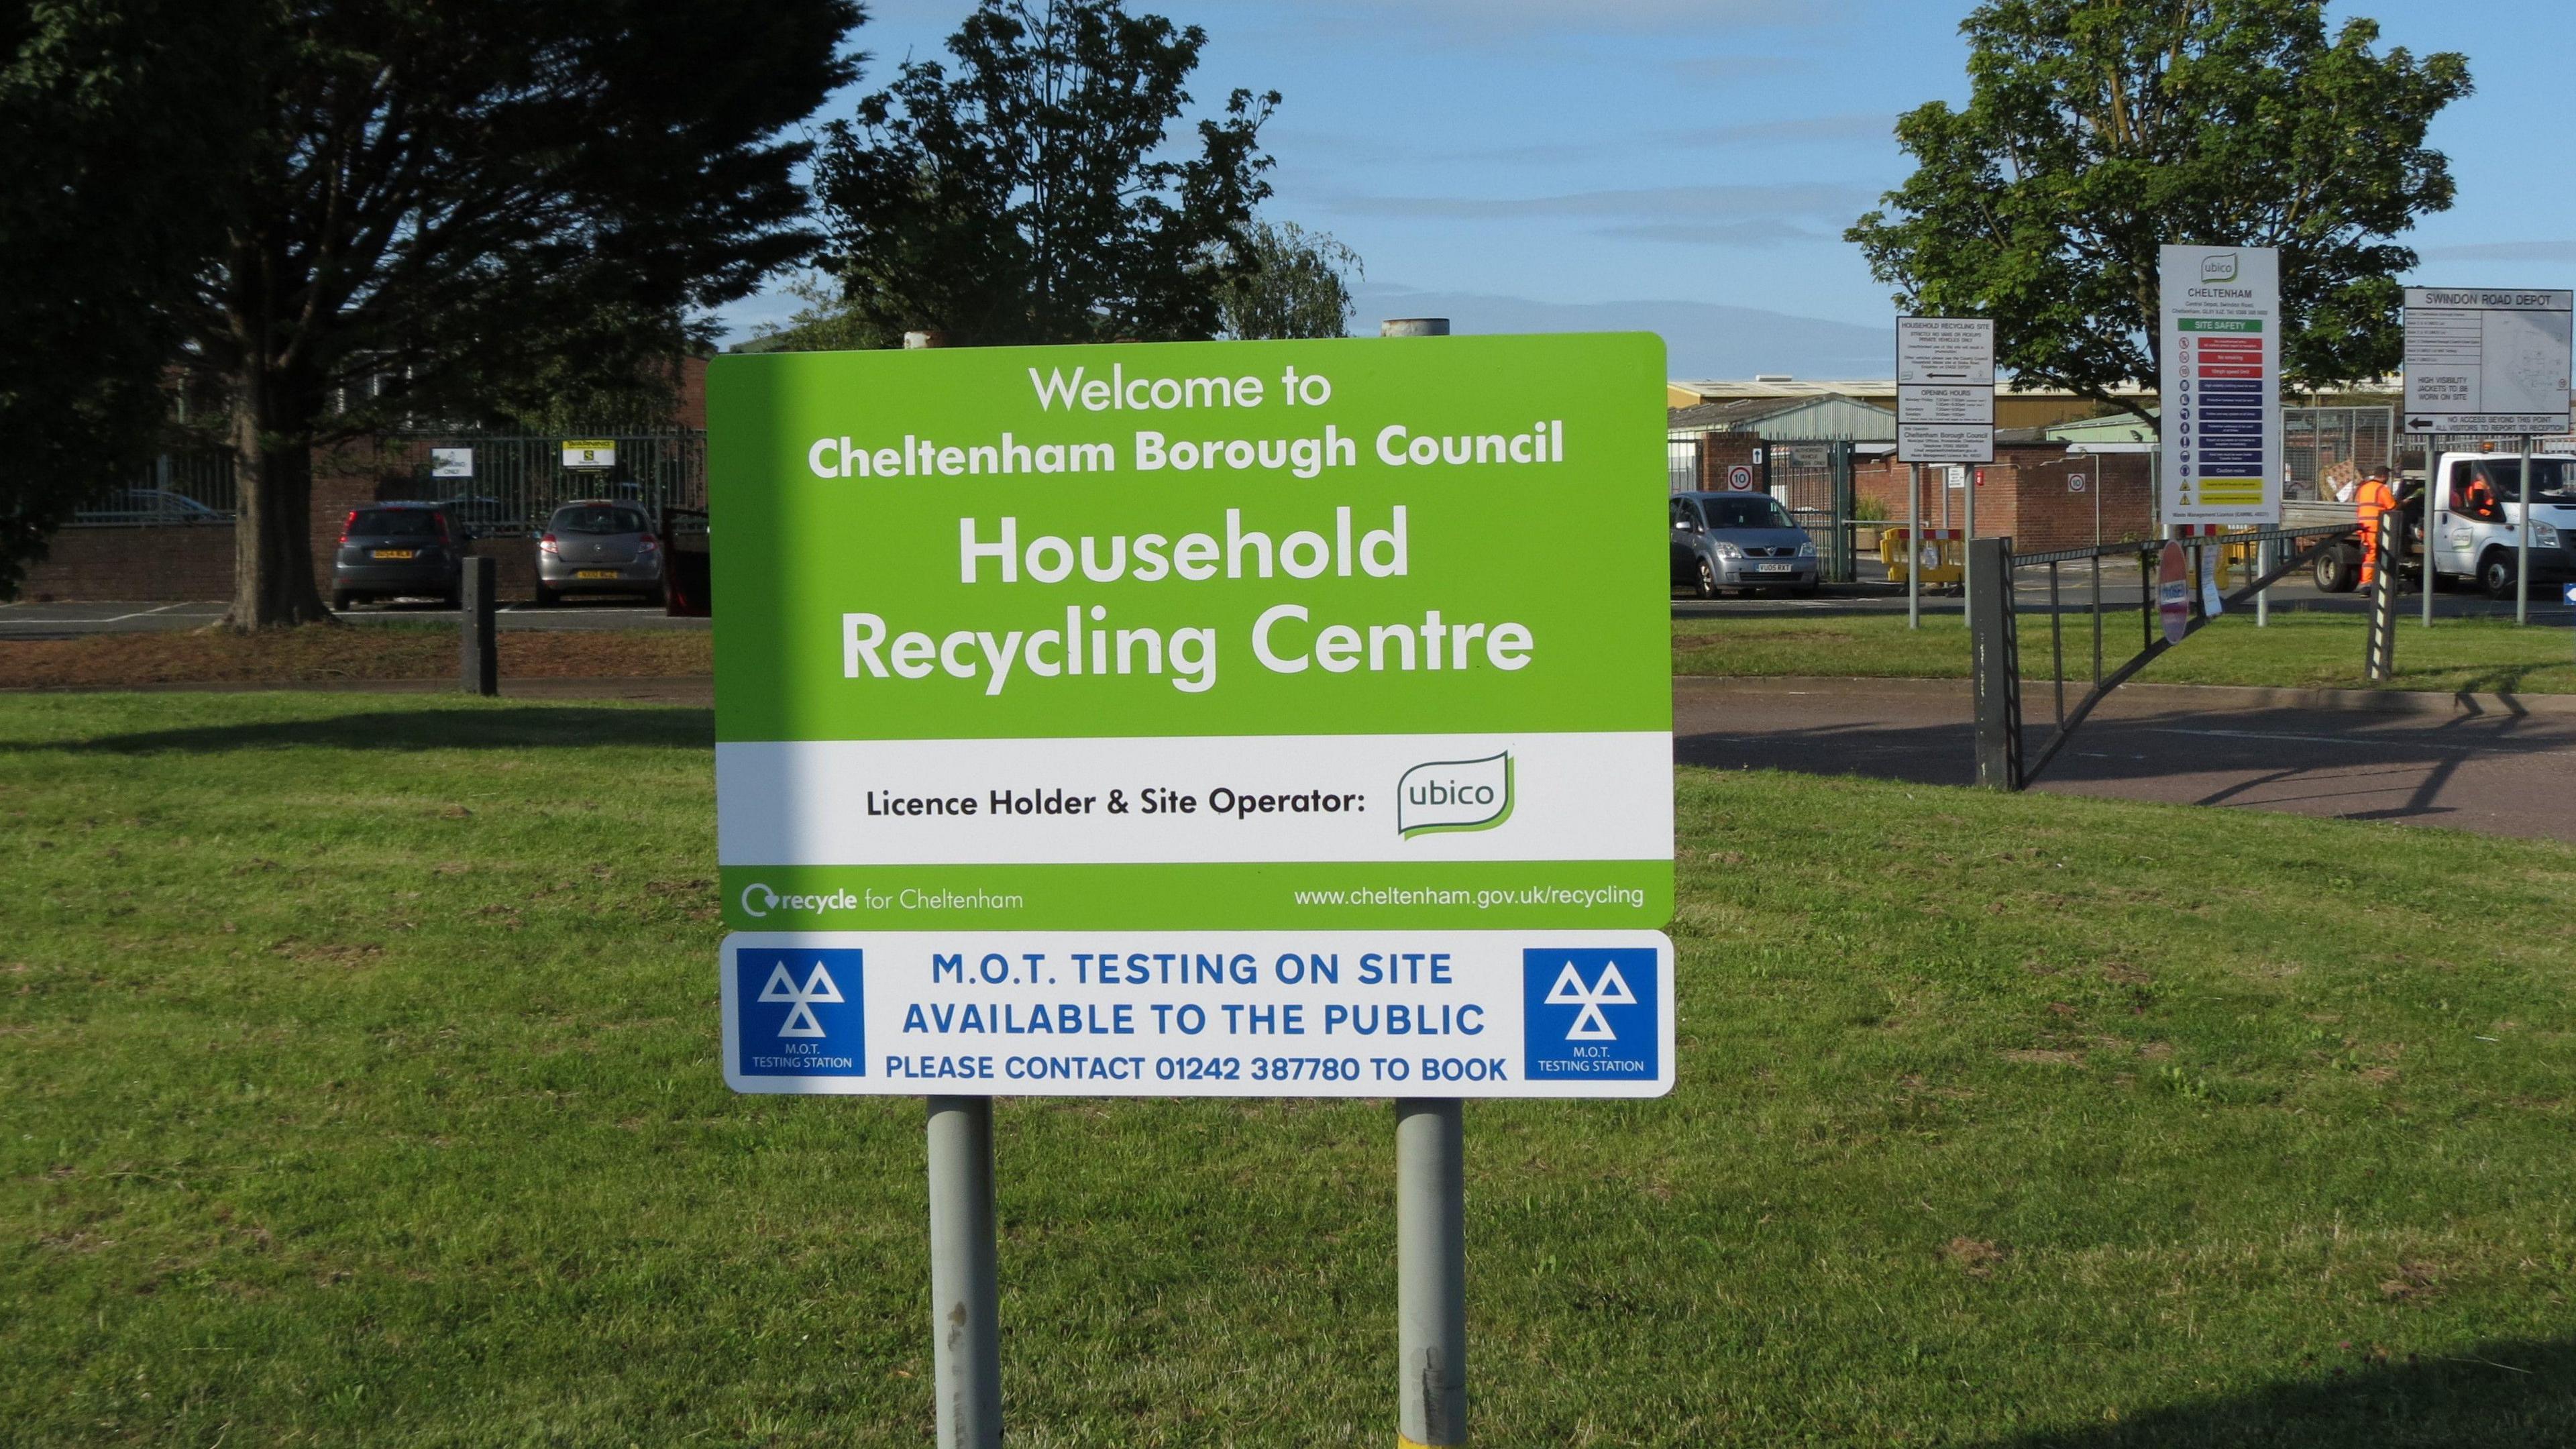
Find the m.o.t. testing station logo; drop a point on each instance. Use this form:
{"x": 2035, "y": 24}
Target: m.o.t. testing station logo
{"x": 1590, "y": 1012}
{"x": 798, "y": 1012}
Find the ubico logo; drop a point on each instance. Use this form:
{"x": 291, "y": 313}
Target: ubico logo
{"x": 1454, "y": 795}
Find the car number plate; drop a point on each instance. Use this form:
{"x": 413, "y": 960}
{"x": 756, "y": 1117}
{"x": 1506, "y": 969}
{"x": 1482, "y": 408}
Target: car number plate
{"x": 594, "y": 573}
{"x": 396, "y": 552}
{"x": 1773, "y": 569}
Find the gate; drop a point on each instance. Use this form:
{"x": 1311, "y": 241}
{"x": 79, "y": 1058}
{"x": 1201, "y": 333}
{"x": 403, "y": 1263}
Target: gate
{"x": 1813, "y": 480}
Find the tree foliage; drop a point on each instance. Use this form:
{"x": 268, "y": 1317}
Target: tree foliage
{"x": 1295, "y": 283}
{"x": 112, "y": 113}
{"x": 1037, "y": 195}
{"x": 477, "y": 207}
{"x": 2096, "y": 132}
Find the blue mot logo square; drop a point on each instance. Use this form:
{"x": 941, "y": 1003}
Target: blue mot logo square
{"x": 1590, "y": 1013}
{"x": 798, "y": 1012}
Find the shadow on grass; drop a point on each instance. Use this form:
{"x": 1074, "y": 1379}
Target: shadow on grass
{"x": 509, "y": 727}
{"x": 2508, "y": 1393}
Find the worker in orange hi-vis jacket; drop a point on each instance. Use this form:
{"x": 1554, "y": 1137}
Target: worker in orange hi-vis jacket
{"x": 2374, "y": 499}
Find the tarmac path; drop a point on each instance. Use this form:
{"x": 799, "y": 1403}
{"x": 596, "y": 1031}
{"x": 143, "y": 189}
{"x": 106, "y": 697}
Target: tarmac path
{"x": 2488, "y": 764}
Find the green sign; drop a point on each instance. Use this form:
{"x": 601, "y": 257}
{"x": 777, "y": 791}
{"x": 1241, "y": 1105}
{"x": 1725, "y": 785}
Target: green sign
{"x": 1327, "y": 635}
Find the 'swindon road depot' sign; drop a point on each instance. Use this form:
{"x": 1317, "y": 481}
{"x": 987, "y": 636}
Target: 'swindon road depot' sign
{"x": 1151, "y": 719}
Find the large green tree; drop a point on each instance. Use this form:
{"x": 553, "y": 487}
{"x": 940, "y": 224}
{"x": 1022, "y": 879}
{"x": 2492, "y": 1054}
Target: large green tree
{"x": 112, "y": 114}
{"x": 1296, "y": 283}
{"x": 1038, "y": 194}
{"x": 2098, "y": 130}
{"x": 461, "y": 206}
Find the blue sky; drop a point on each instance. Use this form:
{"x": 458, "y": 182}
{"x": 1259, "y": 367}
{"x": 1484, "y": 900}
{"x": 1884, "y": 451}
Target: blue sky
{"x": 1689, "y": 165}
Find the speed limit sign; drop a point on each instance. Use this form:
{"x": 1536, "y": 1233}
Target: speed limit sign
{"x": 2074, "y": 482}
{"x": 1739, "y": 478}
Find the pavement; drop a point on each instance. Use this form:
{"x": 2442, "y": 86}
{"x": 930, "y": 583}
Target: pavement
{"x": 2495, "y": 765}
{"x": 68, "y": 621}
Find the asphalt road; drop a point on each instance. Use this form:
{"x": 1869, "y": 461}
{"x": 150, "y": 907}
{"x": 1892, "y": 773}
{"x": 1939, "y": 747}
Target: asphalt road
{"x": 66, "y": 621}
{"x": 2496, "y": 772}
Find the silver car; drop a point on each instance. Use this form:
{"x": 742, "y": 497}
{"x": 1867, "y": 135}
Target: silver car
{"x": 598, "y": 546}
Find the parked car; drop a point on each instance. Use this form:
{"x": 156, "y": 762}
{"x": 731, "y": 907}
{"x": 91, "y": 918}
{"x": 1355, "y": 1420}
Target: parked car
{"x": 598, "y": 546}
{"x": 398, "y": 549}
{"x": 1739, "y": 541}
{"x": 149, "y": 505}
{"x": 482, "y": 517}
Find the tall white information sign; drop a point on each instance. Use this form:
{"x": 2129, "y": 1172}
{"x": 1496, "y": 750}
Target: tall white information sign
{"x": 2221, "y": 384}
{"x": 2487, "y": 360}
{"x": 1945, "y": 390}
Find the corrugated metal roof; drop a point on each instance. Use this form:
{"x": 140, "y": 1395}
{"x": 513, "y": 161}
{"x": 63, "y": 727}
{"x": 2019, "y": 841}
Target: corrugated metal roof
{"x": 1794, "y": 418}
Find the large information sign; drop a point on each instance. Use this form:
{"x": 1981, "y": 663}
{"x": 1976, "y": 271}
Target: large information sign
{"x": 1195, "y": 718}
{"x": 2487, "y": 360}
{"x": 1945, "y": 390}
{"x": 2220, "y": 384}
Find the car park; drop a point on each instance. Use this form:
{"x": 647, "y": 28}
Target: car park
{"x": 1739, "y": 541}
{"x": 397, "y": 550}
{"x": 596, "y": 546}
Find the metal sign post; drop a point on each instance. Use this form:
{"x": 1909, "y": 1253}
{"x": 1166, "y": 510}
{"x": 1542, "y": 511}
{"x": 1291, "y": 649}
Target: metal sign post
{"x": 1431, "y": 1270}
{"x": 2430, "y": 511}
{"x": 2521, "y": 544}
{"x": 1913, "y": 543}
{"x": 1431, "y": 1207}
{"x": 965, "y": 1275}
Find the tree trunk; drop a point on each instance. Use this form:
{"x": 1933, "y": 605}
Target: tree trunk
{"x": 273, "y": 583}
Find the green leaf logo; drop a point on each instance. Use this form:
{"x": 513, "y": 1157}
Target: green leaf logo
{"x": 1454, "y": 795}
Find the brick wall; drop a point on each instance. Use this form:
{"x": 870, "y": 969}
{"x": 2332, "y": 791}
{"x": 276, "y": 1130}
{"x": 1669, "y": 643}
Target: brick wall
{"x": 2024, "y": 496}
{"x": 152, "y": 565}
{"x": 1717, "y": 451}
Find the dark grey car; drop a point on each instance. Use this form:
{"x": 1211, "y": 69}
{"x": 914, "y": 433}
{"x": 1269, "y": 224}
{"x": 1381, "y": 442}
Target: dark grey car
{"x": 598, "y": 546}
{"x": 398, "y": 549}
{"x": 1739, "y": 541}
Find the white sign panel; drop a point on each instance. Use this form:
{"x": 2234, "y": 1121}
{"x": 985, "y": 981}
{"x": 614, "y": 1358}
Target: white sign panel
{"x": 590, "y": 453}
{"x": 1739, "y": 478}
{"x": 1945, "y": 390}
{"x": 451, "y": 462}
{"x": 2487, "y": 360}
{"x": 2221, "y": 384}
{"x": 1200, "y": 1013}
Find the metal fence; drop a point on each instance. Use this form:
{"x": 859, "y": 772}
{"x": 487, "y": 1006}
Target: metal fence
{"x": 515, "y": 480}
{"x": 1681, "y": 464}
{"x": 192, "y": 486}
{"x": 2323, "y": 448}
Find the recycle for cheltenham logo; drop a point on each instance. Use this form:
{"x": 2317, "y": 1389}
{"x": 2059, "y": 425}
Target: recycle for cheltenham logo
{"x": 821, "y": 1032}
{"x": 1590, "y": 1012}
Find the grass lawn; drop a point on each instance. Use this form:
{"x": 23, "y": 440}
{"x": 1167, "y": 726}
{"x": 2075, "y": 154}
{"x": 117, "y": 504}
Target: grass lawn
{"x": 361, "y": 1083}
{"x": 2300, "y": 651}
